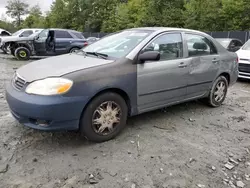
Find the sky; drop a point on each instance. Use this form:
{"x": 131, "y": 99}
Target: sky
{"x": 44, "y": 4}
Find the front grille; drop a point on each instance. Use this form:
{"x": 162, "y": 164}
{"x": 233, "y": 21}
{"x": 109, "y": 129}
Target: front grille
{"x": 245, "y": 59}
{"x": 18, "y": 82}
{"x": 244, "y": 67}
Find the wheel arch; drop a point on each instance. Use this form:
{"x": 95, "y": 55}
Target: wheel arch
{"x": 72, "y": 47}
{"x": 118, "y": 91}
{"x": 17, "y": 44}
{"x": 227, "y": 76}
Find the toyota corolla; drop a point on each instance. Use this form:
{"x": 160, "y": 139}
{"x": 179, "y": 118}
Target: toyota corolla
{"x": 127, "y": 73}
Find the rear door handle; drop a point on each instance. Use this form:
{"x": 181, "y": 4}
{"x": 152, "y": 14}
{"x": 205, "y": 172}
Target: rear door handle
{"x": 215, "y": 61}
{"x": 182, "y": 65}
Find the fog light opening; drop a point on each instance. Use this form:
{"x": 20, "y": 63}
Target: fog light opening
{"x": 39, "y": 122}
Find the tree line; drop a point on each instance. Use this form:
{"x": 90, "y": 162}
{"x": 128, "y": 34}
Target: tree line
{"x": 113, "y": 15}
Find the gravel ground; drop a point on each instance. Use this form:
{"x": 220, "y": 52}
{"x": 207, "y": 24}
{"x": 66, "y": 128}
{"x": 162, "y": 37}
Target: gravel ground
{"x": 184, "y": 146}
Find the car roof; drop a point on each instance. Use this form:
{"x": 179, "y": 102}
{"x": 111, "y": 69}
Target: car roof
{"x": 60, "y": 29}
{"x": 31, "y": 29}
{"x": 165, "y": 29}
{"x": 229, "y": 39}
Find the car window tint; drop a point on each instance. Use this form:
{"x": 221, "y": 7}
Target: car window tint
{"x": 232, "y": 44}
{"x": 63, "y": 34}
{"x": 27, "y": 33}
{"x": 4, "y": 33}
{"x": 199, "y": 45}
{"x": 238, "y": 43}
{"x": 170, "y": 46}
{"x": 44, "y": 33}
{"x": 78, "y": 35}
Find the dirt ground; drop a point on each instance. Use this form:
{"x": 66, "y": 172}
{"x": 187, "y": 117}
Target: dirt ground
{"x": 184, "y": 146}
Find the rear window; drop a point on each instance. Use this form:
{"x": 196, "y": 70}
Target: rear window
{"x": 78, "y": 35}
{"x": 62, "y": 34}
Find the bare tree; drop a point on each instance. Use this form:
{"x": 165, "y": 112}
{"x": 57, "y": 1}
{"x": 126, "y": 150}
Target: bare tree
{"x": 16, "y": 9}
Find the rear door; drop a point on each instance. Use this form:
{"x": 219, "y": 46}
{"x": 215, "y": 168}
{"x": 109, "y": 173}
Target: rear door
{"x": 205, "y": 63}
{"x": 165, "y": 81}
{"x": 63, "y": 41}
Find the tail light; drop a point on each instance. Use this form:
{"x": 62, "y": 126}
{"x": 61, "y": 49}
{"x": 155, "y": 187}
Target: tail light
{"x": 85, "y": 43}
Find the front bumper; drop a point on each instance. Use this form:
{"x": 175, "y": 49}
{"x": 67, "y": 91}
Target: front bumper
{"x": 45, "y": 112}
{"x": 244, "y": 70}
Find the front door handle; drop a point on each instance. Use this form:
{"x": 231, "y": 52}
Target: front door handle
{"x": 182, "y": 65}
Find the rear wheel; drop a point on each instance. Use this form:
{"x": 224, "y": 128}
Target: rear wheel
{"x": 218, "y": 92}
{"x": 72, "y": 50}
{"x": 104, "y": 117}
{"x": 22, "y": 53}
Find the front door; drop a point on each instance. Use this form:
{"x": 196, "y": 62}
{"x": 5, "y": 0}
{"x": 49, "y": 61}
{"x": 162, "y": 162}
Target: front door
{"x": 40, "y": 43}
{"x": 165, "y": 81}
{"x": 204, "y": 67}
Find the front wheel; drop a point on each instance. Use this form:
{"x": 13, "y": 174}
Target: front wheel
{"x": 218, "y": 92}
{"x": 22, "y": 53}
{"x": 104, "y": 117}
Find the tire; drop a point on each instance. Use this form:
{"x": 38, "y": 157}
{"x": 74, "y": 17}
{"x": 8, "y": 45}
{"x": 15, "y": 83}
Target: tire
{"x": 72, "y": 50}
{"x": 216, "y": 100}
{"x": 22, "y": 53}
{"x": 4, "y": 50}
{"x": 90, "y": 129}
{"x": 12, "y": 52}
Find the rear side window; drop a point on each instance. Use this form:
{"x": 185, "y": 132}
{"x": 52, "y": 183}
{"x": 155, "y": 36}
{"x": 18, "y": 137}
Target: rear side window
{"x": 62, "y": 34}
{"x": 78, "y": 35}
{"x": 169, "y": 45}
{"x": 199, "y": 45}
{"x": 238, "y": 43}
{"x": 27, "y": 33}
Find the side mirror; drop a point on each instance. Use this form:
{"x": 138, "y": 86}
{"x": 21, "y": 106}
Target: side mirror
{"x": 21, "y": 35}
{"x": 149, "y": 56}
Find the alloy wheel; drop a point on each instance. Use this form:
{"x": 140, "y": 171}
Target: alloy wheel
{"x": 220, "y": 91}
{"x": 106, "y": 118}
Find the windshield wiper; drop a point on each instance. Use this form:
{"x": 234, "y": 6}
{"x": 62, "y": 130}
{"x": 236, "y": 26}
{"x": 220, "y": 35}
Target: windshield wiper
{"x": 101, "y": 55}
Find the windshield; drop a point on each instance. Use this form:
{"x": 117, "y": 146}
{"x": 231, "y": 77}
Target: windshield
{"x": 118, "y": 45}
{"x": 17, "y": 33}
{"x": 223, "y": 42}
{"x": 246, "y": 46}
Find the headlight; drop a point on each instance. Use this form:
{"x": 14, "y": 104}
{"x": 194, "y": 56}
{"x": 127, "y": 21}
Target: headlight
{"x": 49, "y": 86}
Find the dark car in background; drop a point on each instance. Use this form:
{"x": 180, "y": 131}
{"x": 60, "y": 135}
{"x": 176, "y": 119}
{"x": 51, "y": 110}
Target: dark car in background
{"x": 48, "y": 42}
{"x": 231, "y": 45}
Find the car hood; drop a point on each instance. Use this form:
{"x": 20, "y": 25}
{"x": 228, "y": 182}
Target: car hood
{"x": 243, "y": 54}
{"x": 58, "y": 66}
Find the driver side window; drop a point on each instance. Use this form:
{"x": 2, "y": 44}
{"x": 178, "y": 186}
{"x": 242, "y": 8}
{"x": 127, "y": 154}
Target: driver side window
{"x": 44, "y": 34}
{"x": 170, "y": 46}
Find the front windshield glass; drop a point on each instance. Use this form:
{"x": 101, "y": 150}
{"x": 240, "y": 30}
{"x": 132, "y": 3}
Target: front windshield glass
{"x": 118, "y": 45}
{"x": 246, "y": 46}
{"x": 223, "y": 42}
{"x": 17, "y": 33}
